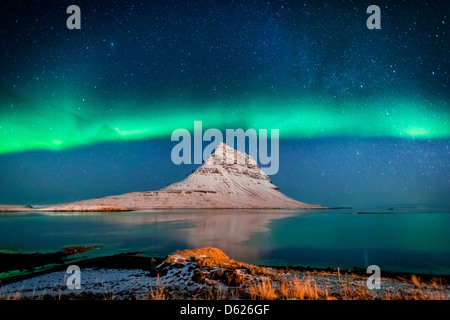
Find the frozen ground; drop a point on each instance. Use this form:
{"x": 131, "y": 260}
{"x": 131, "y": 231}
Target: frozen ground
{"x": 208, "y": 273}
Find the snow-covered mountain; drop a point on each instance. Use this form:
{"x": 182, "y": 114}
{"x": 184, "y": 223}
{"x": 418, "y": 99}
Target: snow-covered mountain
{"x": 227, "y": 179}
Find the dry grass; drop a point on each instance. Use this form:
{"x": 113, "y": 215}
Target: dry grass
{"x": 283, "y": 288}
{"x": 15, "y": 296}
{"x": 351, "y": 291}
{"x": 416, "y": 280}
{"x": 222, "y": 278}
{"x": 415, "y": 295}
{"x": 157, "y": 293}
{"x": 306, "y": 288}
{"x": 299, "y": 289}
{"x": 206, "y": 255}
{"x": 263, "y": 283}
{"x": 262, "y": 291}
{"x": 216, "y": 295}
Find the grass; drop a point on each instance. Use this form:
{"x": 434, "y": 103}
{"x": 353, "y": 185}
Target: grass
{"x": 307, "y": 288}
{"x": 156, "y": 293}
{"x": 263, "y": 290}
{"x": 304, "y": 289}
{"x": 281, "y": 288}
{"x": 217, "y": 277}
{"x": 300, "y": 289}
{"x": 416, "y": 280}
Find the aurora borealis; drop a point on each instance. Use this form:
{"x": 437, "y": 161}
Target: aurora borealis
{"x": 137, "y": 70}
{"x": 47, "y": 130}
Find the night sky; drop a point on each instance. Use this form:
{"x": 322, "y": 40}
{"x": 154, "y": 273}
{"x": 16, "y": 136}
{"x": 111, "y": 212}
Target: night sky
{"x": 363, "y": 114}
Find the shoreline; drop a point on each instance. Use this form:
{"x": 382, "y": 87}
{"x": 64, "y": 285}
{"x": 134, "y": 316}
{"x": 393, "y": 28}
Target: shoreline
{"x": 97, "y": 209}
{"x": 135, "y": 260}
{"x": 210, "y": 273}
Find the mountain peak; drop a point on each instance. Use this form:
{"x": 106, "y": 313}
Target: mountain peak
{"x": 228, "y": 179}
{"x": 225, "y": 155}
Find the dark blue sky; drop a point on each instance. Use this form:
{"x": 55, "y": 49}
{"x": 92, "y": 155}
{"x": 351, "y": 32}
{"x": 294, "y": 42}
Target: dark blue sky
{"x": 363, "y": 114}
{"x": 332, "y": 172}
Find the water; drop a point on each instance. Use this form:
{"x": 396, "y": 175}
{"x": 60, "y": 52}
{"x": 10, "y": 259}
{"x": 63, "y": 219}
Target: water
{"x": 404, "y": 239}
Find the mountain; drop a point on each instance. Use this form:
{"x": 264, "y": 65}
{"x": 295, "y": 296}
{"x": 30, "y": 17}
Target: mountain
{"x": 228, "y": 179}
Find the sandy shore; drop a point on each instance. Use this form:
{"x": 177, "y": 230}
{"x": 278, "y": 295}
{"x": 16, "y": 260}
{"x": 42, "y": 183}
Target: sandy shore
{"x": 206, "y": 273}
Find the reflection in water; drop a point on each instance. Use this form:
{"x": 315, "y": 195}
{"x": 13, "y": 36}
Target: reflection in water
{"x": 405, "y": 240}
{"x": 224, "y": 229}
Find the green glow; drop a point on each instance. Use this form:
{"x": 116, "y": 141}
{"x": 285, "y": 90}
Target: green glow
{"x": 71, "y": 123}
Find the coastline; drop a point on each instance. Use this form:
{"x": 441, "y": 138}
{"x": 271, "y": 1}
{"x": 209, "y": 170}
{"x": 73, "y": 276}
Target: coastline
{"x": 98, "y": 209}
{"x": 206, "y": 273}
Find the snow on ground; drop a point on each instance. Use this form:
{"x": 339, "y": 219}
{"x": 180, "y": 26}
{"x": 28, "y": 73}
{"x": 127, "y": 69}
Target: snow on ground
{"x": 97, "y": 281}
{"x": 207, "y": 273}
{"x": 106, "y": 284}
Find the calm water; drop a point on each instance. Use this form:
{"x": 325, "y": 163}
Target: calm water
{"x": 406, "y": 239}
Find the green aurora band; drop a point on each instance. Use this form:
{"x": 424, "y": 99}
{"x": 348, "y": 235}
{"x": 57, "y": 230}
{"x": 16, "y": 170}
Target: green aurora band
{"x": 73, "y": 123}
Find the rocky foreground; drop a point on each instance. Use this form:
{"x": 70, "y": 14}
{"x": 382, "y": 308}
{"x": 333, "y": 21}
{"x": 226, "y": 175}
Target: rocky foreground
{"x": 208, "y": 273}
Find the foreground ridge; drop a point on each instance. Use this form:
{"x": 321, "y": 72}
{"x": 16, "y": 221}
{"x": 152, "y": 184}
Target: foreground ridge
{"x": 208, "y": 273}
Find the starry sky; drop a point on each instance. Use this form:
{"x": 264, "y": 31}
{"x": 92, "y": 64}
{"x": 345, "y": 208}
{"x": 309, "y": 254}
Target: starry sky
{"x": 363, "y": 114}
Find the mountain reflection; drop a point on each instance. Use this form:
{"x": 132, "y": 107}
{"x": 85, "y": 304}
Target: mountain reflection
{"x": 227, "y": 230}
